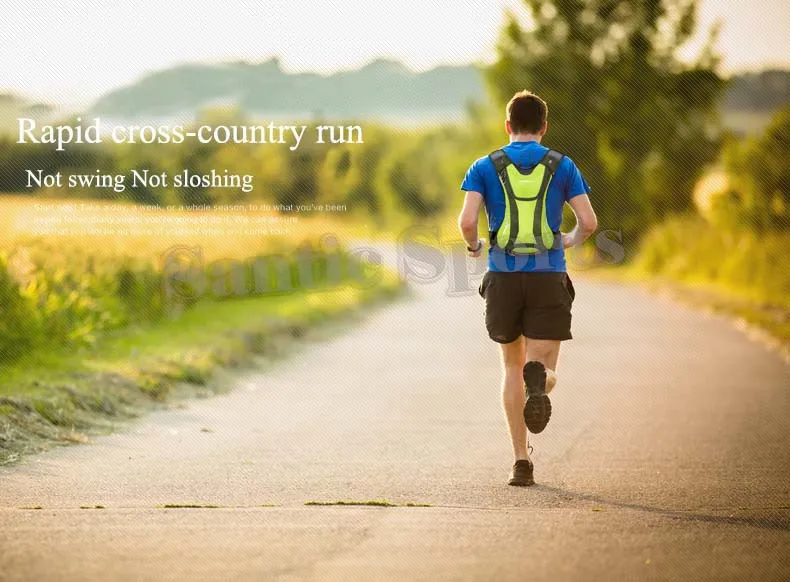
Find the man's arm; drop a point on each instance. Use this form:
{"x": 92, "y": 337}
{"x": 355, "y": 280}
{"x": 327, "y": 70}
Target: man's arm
{"x": 586, "y": 221}
{"x": 467, "y": 221}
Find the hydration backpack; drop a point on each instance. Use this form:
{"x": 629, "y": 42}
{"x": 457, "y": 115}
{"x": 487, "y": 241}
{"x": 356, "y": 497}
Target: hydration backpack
{"x": 525, "y": 229}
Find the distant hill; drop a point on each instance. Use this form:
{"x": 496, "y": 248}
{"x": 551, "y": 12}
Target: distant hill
{"x": 384, "y": 90}
{"x": 13, "y": 107}
{"x": 381, "y": 89}
{"x": 752, "y": 98}
{"x": 764, "y": 91}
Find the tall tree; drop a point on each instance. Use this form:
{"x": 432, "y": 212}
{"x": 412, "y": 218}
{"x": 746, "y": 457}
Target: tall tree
{"x": 639, "y": 122}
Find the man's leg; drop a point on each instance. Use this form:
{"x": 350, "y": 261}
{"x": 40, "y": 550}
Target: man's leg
{"x": 541, "y": 360}
{"x": 504, "y": 312}
{"x": 547, "y": 352}
{"x": 551, "y": 379}
{"x": 513, "y": 397}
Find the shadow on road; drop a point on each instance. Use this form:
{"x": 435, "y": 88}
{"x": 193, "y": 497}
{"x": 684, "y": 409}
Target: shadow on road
{"x": 774, "y": 522}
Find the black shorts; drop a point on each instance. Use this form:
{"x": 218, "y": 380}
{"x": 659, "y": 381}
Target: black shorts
{"x": 536, "y": 305}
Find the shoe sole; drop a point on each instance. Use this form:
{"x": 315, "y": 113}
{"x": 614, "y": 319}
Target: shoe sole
{"x": 521, "y": 483}
{"x": 526, "y": 482}
{"x": 537, "y": 410}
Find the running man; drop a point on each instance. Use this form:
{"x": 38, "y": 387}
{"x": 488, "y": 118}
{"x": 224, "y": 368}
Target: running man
{"x": 527, "y": 291}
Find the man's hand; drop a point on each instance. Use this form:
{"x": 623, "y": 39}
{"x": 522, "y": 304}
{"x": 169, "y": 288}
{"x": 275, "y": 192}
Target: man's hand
{"x": 467, "y": 222}
{"x": 476, "y": 253}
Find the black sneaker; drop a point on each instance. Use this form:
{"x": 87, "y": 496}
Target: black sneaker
{"x": 521, "y": 475}
{"x": 537, "y": 411}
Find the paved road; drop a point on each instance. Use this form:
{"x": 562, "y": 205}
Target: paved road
{"x": 666, "y": 458}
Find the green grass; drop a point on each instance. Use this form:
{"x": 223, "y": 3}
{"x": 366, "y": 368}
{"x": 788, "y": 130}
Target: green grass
{"x": 372, "y": 503}
{"x": 193, "y": 332}
{"x": 188, "y": 506}
{"x": 59, "y": 397}
{"x": 368, "y": 503}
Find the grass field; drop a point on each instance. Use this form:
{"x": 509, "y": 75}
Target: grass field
{"x": 73, "y": 270}
{"x": 89, "y": 336}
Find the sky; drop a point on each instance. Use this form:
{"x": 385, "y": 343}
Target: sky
{"x": 70, "y": 53}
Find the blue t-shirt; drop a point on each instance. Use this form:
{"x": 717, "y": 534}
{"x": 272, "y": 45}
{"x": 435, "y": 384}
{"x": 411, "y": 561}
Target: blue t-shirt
{"x": 566, "y": 183}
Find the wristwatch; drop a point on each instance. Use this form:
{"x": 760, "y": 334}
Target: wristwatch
{"x": 479, "y": 246}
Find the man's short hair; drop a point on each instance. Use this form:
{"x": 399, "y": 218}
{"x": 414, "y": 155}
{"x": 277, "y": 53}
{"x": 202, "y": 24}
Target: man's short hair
{"x": 526, "y": 112}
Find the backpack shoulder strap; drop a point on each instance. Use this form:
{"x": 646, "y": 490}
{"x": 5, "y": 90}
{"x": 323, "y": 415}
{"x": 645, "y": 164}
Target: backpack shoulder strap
{"x": 552, "y": 160}
{"x": 500, "y": 160}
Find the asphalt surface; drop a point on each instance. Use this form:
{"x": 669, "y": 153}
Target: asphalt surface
{"x": 667, "y": 458}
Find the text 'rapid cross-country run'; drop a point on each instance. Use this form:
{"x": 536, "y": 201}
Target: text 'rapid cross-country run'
{"x": 93, "y": 133}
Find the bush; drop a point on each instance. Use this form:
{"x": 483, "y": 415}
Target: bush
{"x": 759, "y": 169}
{"x": 18, "y": 329}
{"x": 754, "y": 265}
{"x": 56, "y": 294}
{"x": 61, "y": 295}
